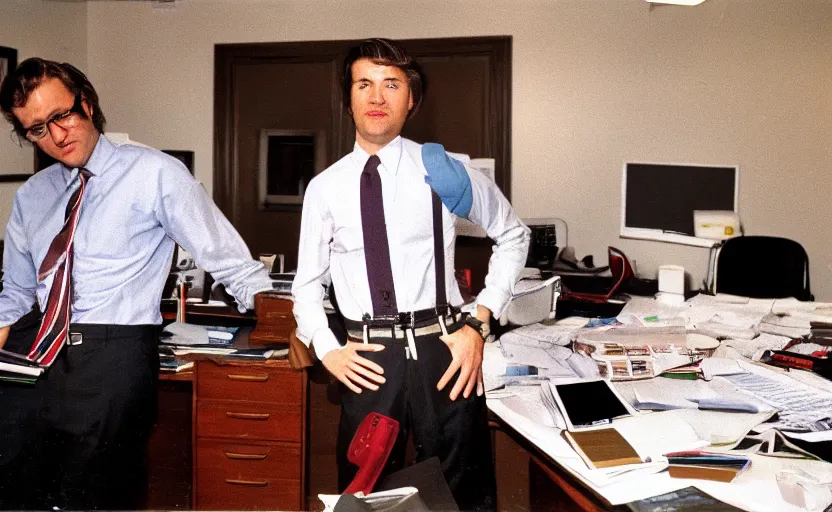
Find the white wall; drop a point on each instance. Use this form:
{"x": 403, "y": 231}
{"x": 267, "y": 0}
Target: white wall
{"x": 595, "y": 83}
{"x": 51, "y": 30}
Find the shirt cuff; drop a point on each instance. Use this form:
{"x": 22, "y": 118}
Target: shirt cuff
{"x": 249, "y": 305}
{"x": 324, "y": 342}
{"x": 494, "y": 300}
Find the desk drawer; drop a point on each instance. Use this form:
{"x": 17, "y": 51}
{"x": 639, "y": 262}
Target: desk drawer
{"x": 262, "y": 383}
{"x": 257, "y": 476}
{"x": 250, "y": 461}
{"x": 215, "y": 493}
{"x": 249, "y": 420}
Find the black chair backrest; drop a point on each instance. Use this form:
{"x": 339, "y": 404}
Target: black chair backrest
{"x": 763, "y": 267}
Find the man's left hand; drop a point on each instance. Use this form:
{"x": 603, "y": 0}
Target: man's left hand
{"x": 466, "y": 346}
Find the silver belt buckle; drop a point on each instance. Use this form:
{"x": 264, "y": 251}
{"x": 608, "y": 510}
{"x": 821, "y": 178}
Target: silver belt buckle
{"x": 75, "y": 338}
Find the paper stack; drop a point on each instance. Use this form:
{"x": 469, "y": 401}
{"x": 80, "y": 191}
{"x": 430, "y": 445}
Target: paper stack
{"x": 17, "y": 368}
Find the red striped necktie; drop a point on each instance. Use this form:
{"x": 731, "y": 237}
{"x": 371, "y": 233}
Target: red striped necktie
{"x": 54, "y": 328}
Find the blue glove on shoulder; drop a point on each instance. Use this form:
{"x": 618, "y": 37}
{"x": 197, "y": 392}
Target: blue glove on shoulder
{"x": 448, "y": 178}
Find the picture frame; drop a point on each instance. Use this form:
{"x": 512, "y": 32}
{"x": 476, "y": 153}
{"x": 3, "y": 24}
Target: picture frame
{"x": 8, "y": 62}
{"x": 289, "y": 159}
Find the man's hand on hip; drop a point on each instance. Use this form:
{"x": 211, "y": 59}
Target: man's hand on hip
{"x": 352, "y": 369}
{"x": 466, "y": 346}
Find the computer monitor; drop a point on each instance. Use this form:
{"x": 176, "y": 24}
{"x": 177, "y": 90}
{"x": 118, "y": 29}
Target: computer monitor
{"x": 658, "y": 200}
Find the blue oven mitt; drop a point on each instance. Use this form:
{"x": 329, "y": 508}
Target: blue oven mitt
{"x": 448, "y": 178}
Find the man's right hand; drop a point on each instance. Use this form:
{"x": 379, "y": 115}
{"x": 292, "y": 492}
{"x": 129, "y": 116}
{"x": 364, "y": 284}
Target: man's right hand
{"x": 4, "y": 334}
{"x": 352, "y": 369}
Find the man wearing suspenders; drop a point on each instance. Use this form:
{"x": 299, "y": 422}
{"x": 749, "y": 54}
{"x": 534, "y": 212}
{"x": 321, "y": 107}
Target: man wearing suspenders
{"x": 379, "y": 224}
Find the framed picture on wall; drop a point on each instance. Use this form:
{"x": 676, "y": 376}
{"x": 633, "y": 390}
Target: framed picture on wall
{"x": 9, "y": 146}
{"x": 8, "y": 61}
{"x": 289, "y": 159}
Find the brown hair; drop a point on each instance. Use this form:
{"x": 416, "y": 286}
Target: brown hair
{"x": 386, "y": 53}
{"x": 19, "y": 84}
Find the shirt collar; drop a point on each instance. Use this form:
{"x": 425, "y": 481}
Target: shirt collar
{"x": 97, "y": 164}
{"x": 390, "y": 156}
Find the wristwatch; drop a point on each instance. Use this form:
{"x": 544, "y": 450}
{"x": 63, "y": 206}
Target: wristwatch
{"x": 483, "y": 328}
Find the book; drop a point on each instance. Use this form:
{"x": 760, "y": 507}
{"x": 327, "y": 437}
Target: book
{"x": 689, "y": 499}
{"x": 602, "y": 448}
{"x": 15, "y": 358}
{"x": 713, "y": 473}
{"x": 20, "y": 369}
{"x": 17, "y": 378}
{"x": 718, "y": 467}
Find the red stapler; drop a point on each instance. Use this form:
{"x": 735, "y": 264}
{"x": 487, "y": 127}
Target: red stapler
{"x": 369, "y": 450}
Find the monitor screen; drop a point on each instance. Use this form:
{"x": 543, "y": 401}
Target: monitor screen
{"x": 658, "y": 200}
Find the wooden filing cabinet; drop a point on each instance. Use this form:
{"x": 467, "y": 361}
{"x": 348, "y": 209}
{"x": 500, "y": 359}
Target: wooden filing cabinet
{"x": 249, "y": 436}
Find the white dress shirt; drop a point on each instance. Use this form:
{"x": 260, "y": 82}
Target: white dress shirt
{"x": 332, "y": 241}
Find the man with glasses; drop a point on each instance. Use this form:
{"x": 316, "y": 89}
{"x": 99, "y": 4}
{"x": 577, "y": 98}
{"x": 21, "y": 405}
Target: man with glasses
{"x": 91, "y": 239}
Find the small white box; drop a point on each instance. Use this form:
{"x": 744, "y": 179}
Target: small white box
{"x": 672, "y": 279}
{"x": 716, "y": 224}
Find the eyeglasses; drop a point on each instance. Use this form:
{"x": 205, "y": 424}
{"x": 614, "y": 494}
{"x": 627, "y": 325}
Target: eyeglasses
{"x": 66, "y": 120}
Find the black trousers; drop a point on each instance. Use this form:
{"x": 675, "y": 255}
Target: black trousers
{"x": 78, "y": 438}
{"x": 455, "y": 431}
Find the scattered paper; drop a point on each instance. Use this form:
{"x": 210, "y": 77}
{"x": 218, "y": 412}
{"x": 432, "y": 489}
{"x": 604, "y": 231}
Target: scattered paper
{"x": 802, "y": 408}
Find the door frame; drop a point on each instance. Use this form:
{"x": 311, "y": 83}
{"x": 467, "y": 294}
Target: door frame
{"x": 227, "y": 56}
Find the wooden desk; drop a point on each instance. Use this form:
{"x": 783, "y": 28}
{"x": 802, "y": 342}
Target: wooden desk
{"x": 245, "y": 433}
{"x": 550, "y": 487}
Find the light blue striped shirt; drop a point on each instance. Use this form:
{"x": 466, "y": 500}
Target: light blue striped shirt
{"x": 137, "y": 205}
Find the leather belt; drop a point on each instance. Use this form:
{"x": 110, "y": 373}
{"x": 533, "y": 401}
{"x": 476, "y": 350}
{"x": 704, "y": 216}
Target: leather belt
{"x": 356, "y": 330}
{"x": 405, "y": 326}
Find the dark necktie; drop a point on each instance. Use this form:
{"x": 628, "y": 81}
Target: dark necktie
{"x": 376, "y": 246}
{"x": 54, "y": 328}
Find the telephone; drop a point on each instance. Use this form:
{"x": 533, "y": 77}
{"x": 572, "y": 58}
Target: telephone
{"x": 369, "y": 450}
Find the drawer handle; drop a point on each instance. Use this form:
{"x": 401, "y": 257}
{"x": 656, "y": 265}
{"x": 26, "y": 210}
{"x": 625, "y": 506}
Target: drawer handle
{"x": 248, "y": 415}
{"x": 250, "y": 483}
{"x": 245, "y": 456}
{"x": 260, "y": 377}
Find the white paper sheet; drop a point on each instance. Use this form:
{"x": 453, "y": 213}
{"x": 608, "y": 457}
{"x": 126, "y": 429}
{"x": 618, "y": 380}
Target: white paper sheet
{"x": 802, "y": 408}
{"x": 753, "y": 349}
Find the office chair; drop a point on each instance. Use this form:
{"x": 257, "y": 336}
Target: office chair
{"x": 763, "y": 267}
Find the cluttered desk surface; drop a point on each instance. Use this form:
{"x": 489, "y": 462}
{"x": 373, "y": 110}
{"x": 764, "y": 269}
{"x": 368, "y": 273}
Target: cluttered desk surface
{"x": 699, "y": 402}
